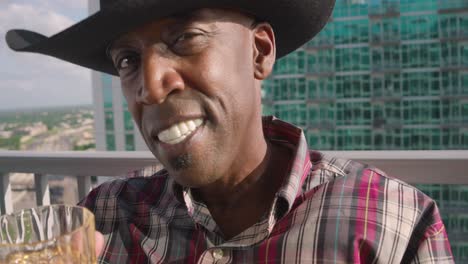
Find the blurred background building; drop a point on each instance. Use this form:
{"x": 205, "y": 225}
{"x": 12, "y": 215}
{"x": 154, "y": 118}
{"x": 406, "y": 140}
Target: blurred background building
{"x": 382, "y": 75}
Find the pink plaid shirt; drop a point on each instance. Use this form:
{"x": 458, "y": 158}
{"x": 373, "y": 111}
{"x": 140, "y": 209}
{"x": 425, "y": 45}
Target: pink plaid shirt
{"x": 328, "y": 210}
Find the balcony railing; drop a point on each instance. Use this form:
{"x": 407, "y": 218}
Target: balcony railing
{"x": 81, "y": 164}
{"x": 416, "y": 167}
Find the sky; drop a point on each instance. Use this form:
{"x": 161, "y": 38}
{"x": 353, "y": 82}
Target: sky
{"x": 32, "y": 80}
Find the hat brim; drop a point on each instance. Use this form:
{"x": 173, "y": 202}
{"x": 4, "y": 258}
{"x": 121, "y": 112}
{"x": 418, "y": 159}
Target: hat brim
{"x": 85, "y": 43}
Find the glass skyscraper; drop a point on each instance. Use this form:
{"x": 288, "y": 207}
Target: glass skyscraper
{"x": 384, "y": 75}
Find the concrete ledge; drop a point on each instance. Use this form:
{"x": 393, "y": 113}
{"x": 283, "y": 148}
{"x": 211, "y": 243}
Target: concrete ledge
{"x": 428, "y": 167}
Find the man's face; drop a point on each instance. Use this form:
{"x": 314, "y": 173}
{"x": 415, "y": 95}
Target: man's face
{"x": 191, "y": 87}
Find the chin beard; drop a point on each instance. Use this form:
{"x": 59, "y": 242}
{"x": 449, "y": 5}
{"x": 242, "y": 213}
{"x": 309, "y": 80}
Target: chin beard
{"x": 181, "y": 162}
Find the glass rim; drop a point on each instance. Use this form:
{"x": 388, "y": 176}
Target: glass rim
{"x": 87, "y": 215}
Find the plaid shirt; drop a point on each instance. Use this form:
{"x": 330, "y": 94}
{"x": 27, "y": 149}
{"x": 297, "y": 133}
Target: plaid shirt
{"x": 328, "y": 210}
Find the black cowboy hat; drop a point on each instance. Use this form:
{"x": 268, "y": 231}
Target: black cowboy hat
{"x": 85, "y": 43}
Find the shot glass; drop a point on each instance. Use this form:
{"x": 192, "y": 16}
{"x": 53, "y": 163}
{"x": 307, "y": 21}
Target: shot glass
{"x": 48, "y": 234}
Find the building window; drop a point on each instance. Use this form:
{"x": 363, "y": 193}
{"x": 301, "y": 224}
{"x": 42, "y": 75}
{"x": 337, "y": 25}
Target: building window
{"x": 352, "y": 59}
{"x": 354, "y": 139}
{"x": 453, "y": 25}
{"x": 420, "y": 83}
{"x": 351, "y": 8}
{"x": 110, "y": 141}
{"x": 419, "y": 27}
{"x": 289, "y": 89}
{"x": 128, "y": 121}
{"x": 295, "y": 113}
{"x": 449, "y": 54}
{"x": 349, "y": 32}
{"x": 321, "y": 88}
{"x": 109, "y": 120}
{"x": 320, "y": 61}
{"x": 129, "y": 142}
{"x": 107, "y": 90}
{"x": 293, "y": 63}
{"x": 385, "y": 30}
{"x": 451, "y": 85}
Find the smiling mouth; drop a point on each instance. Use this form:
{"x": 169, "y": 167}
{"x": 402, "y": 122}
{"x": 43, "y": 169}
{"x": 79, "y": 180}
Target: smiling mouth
{"x": 178, "y": 132}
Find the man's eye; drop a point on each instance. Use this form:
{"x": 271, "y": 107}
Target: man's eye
{"x": 127, "y": 62}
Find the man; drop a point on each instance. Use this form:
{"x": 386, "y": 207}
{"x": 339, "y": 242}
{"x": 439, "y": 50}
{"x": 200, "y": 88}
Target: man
{"x": 236, "y": 188}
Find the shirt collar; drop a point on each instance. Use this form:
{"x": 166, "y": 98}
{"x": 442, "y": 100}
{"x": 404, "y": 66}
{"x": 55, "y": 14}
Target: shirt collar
{"x": 292, "y": 136}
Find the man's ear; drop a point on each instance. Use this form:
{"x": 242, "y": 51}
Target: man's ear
{"x": 264, "y": 50}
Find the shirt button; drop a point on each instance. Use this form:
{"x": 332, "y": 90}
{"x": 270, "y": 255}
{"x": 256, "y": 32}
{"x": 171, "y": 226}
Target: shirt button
{"x": 218, "y": 254}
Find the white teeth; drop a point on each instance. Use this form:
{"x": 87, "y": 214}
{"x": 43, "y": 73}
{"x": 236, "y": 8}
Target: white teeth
{"x": 191, "y": 125}
{"x": 183, "y": 128}
{"x": 178, "y": 132}
{"x": 174, "y": 132}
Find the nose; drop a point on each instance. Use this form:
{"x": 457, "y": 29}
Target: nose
{"x": 160, "y": 78}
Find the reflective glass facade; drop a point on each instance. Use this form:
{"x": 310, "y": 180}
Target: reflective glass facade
{"x": 118, "y": 121}
{"x": 384, "y": 75}
{"x": 128, "y": 128}
{"x": 108, "y": 111}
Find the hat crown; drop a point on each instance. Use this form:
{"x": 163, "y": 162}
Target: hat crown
{"x": 106, "y": 3}
{"x": 123, "y": 4}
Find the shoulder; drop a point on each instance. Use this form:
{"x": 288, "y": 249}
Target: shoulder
{"x": 364, "y": 182}
{"x": 137, "y": 182}
{"x": 361, "y": 189}
{"x": 375, "y": 208}
{"x": 121, "y": 198}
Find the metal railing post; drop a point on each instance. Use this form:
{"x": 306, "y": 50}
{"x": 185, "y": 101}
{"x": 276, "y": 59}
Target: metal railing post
{"x": 42, "y": 189}
{"x": 6, "y": 203}
{"x": 84, "y": 186}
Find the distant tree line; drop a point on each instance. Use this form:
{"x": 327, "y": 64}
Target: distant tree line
{"x": 84, "y": 147}
{"x": 50, "y": 117}
{"x": 11, "y": 143}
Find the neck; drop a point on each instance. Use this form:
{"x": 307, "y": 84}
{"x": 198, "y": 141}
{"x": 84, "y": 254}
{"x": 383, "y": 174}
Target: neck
{"x": 238, "y": 206}
{"x": 246, "y": 169}
{"x": 228, "y": 190}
